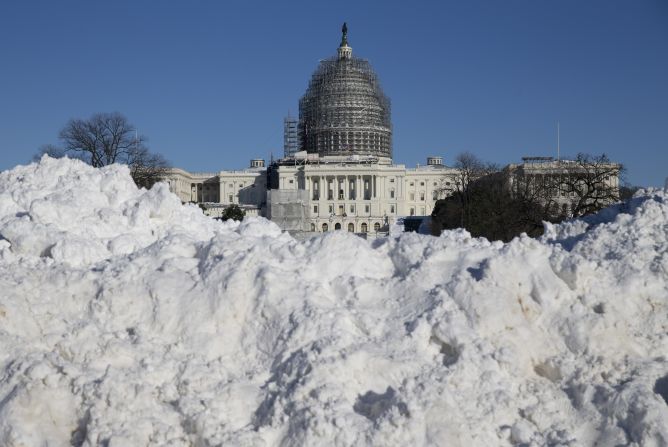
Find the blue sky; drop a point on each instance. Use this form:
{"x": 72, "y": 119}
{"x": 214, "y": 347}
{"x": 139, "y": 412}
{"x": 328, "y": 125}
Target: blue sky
{"x": 209, "y": 82}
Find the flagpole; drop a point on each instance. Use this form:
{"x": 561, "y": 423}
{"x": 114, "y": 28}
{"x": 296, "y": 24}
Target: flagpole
{"x": 558, "y": 148}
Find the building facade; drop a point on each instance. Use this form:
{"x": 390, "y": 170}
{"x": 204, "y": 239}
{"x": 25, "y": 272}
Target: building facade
{"x": 314, "y": 194}
{"x": 358, "y": 195}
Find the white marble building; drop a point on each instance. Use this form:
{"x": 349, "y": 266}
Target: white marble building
{"x": 362, "y": 194}
{"x": 359, "y": 194}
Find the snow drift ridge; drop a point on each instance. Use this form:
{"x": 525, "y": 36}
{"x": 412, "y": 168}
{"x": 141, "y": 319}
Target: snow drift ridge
{"x": 127, "y": 318}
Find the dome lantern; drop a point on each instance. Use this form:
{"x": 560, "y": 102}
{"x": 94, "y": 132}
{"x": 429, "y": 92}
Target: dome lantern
{"x": 345, "y": 52}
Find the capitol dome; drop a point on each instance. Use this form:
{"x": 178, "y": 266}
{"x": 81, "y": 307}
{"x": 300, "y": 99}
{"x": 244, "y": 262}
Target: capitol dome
{"x": 344, "y": 110}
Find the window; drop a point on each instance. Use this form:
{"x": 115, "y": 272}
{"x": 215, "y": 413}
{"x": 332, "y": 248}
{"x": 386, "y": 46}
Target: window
{"x": 392, "y": 193}
{"x": 337, "y": 226}
{"x": 391, "y": 209}
{"x": 313, "y": 227}
{"x": 363, "y": 227}
{"x": 435, "y": 184}
{"x": 376, "y": 227}
{"x": 342, "y": 210}
{"x": 421, "y": 183}
{"x": 391, "y": 180}
{"x": 412, "y": 197}
{"x": 412, "y": 211}
{"x": 435, "y": 195}
{"x": 366, "y": 208}
{"x": 324, "y": 228}
{"x": 352, "y": 209}
{"x": 292, "y": 181}
{"x": 422, "y": 196}
{"x": 422, "y": 213}
{"x": 331, "y": 209}
{"x": 315, "y": 209}
{"x": 241, "y": 184}
{"x": 412, "y": 184}
{"x": 351, "y": 227}
{"x": 231, "y": 199}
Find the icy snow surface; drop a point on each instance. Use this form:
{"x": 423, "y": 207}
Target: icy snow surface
{"x": 127, "y": 319}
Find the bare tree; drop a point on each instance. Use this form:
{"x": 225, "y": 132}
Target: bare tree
{"x": 104, "y": 138}
{"x": 569, "y": 188}
{"x": 107, "y": 138}
{"x": 146, "y": 168}
{"x": 592, "y": 182}
{"x": 541, "y": 189}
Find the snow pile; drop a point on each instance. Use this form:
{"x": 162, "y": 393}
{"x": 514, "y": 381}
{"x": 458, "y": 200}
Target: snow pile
{"x": 129, "y": 319}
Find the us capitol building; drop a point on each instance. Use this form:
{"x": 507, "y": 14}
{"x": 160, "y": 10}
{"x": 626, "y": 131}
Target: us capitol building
{"x": 343, "y": 177}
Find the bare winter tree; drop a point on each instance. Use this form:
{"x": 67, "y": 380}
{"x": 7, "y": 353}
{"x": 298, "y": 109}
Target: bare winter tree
{"x": 146, "y": 168}
{"x": 107, "y": 138}
{"x": 582, "y": 186}
{"x": 592, "y": 182}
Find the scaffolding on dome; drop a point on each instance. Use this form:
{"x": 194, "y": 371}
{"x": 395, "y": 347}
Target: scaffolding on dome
{"x": 344, "y": 111}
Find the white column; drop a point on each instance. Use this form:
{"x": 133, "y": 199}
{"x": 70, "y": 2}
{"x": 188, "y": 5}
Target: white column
{"x": 336, "y": 189}
{"x": 358, "y": 189}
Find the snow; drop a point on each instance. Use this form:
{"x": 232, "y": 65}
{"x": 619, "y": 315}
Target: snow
{"x": 127, "y": 318}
